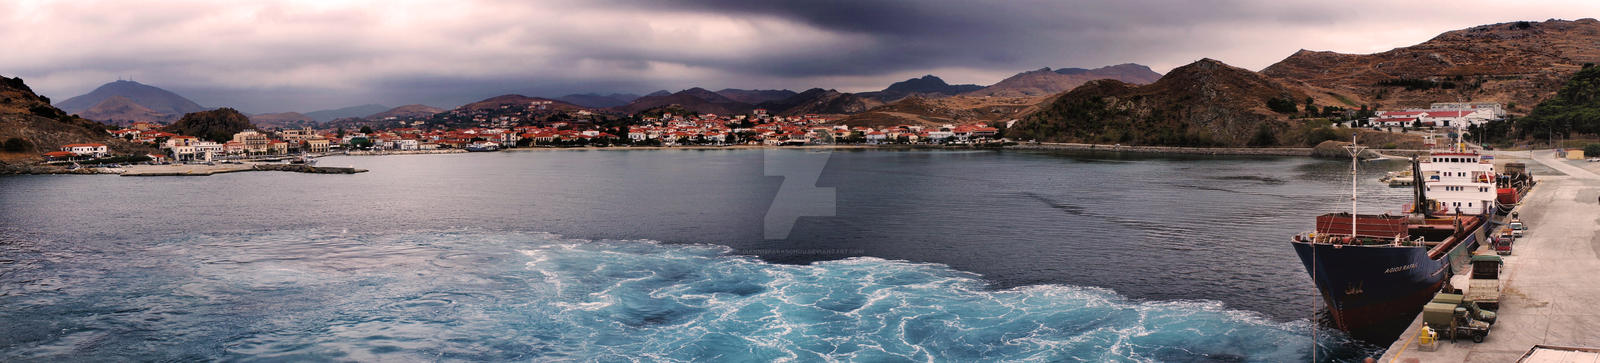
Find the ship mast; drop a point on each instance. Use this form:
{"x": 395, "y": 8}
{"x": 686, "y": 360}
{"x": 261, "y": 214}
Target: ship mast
{"x": 1355, "y": 156}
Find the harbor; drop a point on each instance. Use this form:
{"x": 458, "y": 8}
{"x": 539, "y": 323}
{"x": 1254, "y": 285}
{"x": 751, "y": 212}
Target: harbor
{"x": 1547, "y": 298}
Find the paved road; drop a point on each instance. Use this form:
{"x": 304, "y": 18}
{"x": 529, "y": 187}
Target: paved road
{"x": 1551, "y": 297}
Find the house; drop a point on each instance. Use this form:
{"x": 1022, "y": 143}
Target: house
{"x": 1394, "y": 121}
{"x": 91, "y": 150}
{"x": 277, "y": 147}
{"x": 180, "y": 141}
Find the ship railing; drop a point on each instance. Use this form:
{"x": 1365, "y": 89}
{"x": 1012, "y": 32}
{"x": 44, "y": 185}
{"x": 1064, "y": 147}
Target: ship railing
{"x": 1346, "y": 240}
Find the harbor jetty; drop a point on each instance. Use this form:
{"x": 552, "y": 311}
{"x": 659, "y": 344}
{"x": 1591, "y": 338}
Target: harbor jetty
{"x": 1550, "y": 298}
{"x": 204, "y": 169}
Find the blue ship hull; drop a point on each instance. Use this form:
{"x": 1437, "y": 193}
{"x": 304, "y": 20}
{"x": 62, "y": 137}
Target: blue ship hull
{"x": 1371, "y": 289}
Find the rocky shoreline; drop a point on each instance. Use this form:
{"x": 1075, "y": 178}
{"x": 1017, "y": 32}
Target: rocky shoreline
{"x": 1271, "y": 151}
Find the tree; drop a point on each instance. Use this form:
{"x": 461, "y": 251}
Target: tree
{"x": 1282, "y": 105}
{"x": 361, "y": 143}
{"x": 340, "y": 133}
{"x": 1591, "y": 150}
{"x": 366, "y": 129}
{"x": 17, "y": 145}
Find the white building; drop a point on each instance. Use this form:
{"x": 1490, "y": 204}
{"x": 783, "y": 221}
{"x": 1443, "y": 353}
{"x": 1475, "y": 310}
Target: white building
{"x": 1457, "y": 118}
{"x": 405, "y": 144}
{"x": 1495, "y": 109}
{"x": 95, "y": 150}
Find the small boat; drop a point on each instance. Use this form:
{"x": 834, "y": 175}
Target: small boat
{"x": 483, "y": 146}
{"x": 1398, "y": 179}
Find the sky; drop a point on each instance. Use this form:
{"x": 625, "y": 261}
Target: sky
{"x": 306, "y": 55}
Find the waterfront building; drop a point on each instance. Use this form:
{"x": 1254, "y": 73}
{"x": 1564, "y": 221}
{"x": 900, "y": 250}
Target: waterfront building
{"x": 91, "y": 150}
{"x": 252, "y": 142}
{"x": 316, "y": 145}
{"x": 277, "y": 147}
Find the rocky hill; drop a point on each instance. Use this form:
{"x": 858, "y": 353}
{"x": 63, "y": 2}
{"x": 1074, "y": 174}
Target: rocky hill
{"x": 1518, "y": 63}
{"x": 501, "y": 101}
{"x": 352, "y": 111}
{"x": 1046, "y": 82}
{"x": 917, "y": 110}
{"x": 693, "y": 99}
{"x": 283, "y": 120}
{"x": 216, "y": 125}
{"x": 124, "y": 101}
{"x": 754, "y": 96}
{"x": 928, "y": 86}
{"x": 1575, "y": 109}
{"x": 1205, "y": 103}
{"x": 820, "y": 101}
{"x": 118, "y": 110}
{"x": 29, "y": 126}
{"x": 407, "y": 112}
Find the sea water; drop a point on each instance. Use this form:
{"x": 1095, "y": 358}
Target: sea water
{"x": 660, "y": 256}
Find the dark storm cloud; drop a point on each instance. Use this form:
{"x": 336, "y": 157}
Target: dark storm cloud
{"x": 294, "y": 55}
{"x": 908, "y": 35}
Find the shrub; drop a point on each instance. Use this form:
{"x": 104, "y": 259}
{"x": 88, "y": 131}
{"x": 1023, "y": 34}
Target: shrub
{"x": 1591, "y": 150}
{"x": 1320, "y": 134}
{"x": 1264, "y": 137}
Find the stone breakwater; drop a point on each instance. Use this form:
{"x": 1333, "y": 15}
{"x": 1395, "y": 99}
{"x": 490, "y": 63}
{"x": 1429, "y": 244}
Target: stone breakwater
{"x": 402, "y": 152}
{"x": 203, "y": 170}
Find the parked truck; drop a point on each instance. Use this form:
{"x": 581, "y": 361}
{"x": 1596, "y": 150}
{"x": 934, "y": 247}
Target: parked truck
{"x": 1484, "y": 285}
{"x": 1454, "y": 321}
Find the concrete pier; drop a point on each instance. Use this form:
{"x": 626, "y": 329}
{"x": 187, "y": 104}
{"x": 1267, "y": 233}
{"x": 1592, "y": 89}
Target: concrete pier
{"x": 1552, "y": 296}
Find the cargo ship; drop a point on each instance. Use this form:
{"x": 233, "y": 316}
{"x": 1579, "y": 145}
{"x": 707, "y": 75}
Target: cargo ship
{"x": 1375, "y": 272}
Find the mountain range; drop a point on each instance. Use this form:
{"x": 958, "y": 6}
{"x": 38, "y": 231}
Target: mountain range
{"x": 287, "y": 120}
{"x": 694, "y": 99}
{"x": 125, "y": 102}
{"x": 927, "y": 86}
{"x": 352, "y": 111}
{"x": 1046, "y": 82}
{"x": 596, "y": 100}
{"x": 1516, "y": 63}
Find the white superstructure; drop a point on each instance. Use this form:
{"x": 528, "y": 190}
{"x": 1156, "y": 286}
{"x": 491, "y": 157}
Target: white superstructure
{"x": 1459, "y": 182}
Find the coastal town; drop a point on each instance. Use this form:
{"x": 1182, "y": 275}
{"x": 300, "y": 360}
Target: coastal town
{"x": 508, "y": 132}
{"x": 514, "y": 127}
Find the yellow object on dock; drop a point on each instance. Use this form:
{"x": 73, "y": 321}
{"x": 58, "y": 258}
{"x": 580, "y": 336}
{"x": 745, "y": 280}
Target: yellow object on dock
{"x": 1427, "y": 339}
